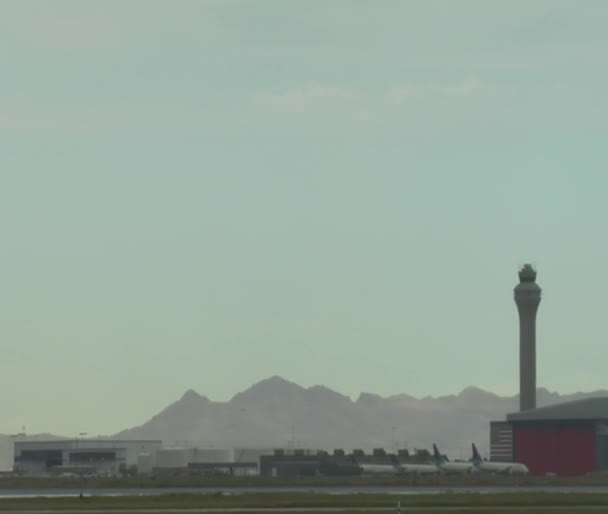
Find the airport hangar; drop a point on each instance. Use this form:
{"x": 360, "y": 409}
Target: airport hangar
{"x": 569, "y": 438}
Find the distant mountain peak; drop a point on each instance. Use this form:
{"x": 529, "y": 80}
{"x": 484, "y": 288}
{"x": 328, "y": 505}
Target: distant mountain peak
{"x": 191, "y": 395}
{"x": 321, "y": 391}
{"x": 473, "y": 390}
{"x": 276, "y": 379}
{"x": 475, "y": 394}
{"x": 369, "y": 398}
{"x": 269, "y": 388}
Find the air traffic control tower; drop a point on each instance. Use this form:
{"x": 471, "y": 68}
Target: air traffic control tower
{"x": 527, "y": 298}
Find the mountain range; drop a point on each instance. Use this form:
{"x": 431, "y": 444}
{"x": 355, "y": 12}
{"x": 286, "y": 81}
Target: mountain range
{"x": 278, "y": 413}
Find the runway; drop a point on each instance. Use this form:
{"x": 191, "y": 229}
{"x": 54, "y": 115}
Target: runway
{"x": 389, "y": 490}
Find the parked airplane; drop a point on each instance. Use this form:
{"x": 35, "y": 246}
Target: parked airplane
{"x": 415, "y": 468}
{"x": 508, "y": 468}
{"x": 369, "y": 468}
{"x": 451, "y": 467}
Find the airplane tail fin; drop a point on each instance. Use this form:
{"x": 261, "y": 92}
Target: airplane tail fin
{"x": 476, "y": 456}
{"x": 437, "y": 455}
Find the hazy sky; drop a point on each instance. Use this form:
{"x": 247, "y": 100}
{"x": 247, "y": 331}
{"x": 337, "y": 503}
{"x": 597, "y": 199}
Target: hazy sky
{"x": 202, "y": 194}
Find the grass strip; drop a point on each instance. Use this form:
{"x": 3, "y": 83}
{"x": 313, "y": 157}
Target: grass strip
{"x": 304, "y": 500}
{"x": 393, "y": 509}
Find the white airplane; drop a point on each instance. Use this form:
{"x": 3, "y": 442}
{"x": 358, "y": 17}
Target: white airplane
{"x": 377, "y": 469}
{"x": 507, "y": 468}
{"x": 419, "y": 469}
{"x": 416, "y": 469}
{"x": 451, "y": 467}
{"x": 395, "y": 467}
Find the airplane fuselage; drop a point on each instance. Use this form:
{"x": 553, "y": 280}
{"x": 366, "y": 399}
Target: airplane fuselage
{"x": 452, "y": 467}
{"x": 419, "y": 469}
{"x": 507, "y": 468}
{"x": 379, "y": 469}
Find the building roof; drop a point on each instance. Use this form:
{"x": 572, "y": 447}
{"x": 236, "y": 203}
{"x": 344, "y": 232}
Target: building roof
{"x": 83, "y": 443}
{"x": 98, "y": 440}
{"x": 586, "y": 409}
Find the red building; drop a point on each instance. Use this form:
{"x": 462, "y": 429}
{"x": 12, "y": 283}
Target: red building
{"x": 566, "y": 439}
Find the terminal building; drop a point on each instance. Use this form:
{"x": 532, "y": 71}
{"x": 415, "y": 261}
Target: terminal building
{"x": 206, "y": 461}
{"x": 111, "y": 457}
{"x": 81, "y": 456}
{"x": 306, "y": 462}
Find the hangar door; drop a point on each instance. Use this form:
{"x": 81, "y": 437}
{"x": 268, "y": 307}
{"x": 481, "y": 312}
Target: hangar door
{"x": 561, "y": 448}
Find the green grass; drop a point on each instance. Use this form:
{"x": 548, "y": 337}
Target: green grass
{"x": 312, "y": 500}
{"x": 389, "y": 509}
